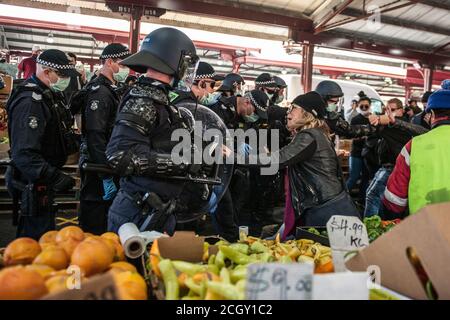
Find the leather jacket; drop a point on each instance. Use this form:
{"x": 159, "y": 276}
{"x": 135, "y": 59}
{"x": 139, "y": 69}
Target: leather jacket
{"x": 315, "y": 175}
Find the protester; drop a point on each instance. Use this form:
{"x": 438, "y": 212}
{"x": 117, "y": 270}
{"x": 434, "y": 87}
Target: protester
{"x": 27, "y": 67}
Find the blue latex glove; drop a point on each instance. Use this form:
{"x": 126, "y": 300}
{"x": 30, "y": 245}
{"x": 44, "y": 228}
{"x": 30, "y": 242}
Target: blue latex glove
{"x": 245, "y": 149}
{"x": 109, "y": 189}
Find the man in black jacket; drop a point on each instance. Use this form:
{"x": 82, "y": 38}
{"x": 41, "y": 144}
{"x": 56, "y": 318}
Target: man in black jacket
{"x": 357, "y": 166}
{"x": 98, "y": 116}
{"x": 393, "y": 139}
{"x": 40, "y": 133}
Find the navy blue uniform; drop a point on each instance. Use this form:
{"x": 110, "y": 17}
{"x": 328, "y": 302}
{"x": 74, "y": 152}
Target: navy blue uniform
{"x": 98, "y": 116}
{"x": 141, "y": 146}
{"x": 39, "y": 125}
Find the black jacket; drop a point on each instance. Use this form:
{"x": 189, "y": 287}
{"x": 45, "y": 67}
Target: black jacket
{"x": 358, "y": 143}
{"x": 394, "y": 138}
{"x": 314, "y": 171}
{"x": 339, "y": 126}
{"x": 98, "y": 116}
{"x": 39, "y": 125}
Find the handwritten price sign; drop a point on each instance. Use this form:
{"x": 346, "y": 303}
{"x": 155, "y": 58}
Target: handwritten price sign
{"x": 346, "y": 234}
{"x": 276, "y": 281}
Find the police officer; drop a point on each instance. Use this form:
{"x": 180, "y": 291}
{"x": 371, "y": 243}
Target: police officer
{"x": 140, "y": 146}
{"x": 281, "y": 85}
{"x": 332, "y": 94}
{"x": 101, "y": 102}
{"x": 41, "y": 139}
{"x": 202, "y": 90}
{"x": 232, "y": 85}
{"x": 248, "y": 112}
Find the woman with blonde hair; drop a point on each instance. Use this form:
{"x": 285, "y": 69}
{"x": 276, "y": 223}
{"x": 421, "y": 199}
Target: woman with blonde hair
{"x": 316, "y": 185}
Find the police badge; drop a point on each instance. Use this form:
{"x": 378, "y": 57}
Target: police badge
{"x": 94, "y": 105}
{"x": 33, "y": 122}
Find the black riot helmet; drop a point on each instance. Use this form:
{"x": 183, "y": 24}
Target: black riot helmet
{"x": 329, "y": 89}
{"x": 166, "y": 50}
{"x": 231, "y": 83}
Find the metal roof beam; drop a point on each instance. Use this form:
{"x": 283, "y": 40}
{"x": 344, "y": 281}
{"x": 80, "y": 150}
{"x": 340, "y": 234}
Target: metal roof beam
{"x": 332, "y": 14}
{"x": 434, "y": 4}
{"x": 354, "y": 13}
{"x": 365, "y": 16}
{"x": 230, "y": 10}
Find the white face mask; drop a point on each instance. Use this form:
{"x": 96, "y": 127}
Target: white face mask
{"x": 364, "y": 112}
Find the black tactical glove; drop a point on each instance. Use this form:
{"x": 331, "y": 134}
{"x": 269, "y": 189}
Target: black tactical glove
{"x": 62, "y": 182}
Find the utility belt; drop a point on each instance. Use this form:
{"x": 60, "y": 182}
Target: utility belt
{"x": 36, "y": 199}
{"x": 155, "y": 212}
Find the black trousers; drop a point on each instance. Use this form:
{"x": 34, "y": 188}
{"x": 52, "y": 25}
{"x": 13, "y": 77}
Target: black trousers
{"x": 93, "y": 216}
{"x": 226, "y": 218}
{"x": 35, "y": 227}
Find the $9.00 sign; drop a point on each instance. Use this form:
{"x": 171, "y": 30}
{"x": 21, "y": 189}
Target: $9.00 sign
{"x": 345, "y": 234}
{"x": 276, "y": 281}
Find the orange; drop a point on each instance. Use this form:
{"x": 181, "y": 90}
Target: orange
{"x": 92, "y": 256}
{"x": 21, "y": 251}
{"x": 19, "y": 283}
{"x": 53, "y": 256}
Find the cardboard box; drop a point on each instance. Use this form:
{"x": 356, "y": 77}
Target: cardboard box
{"x": 428, "y": 233}
{"x": 101, "y": 287}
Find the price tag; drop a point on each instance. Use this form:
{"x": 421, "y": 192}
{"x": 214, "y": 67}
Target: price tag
{"x": 346, "y": 234}
{"x": 276, "y": 281}
{"x": 341, "y": 286}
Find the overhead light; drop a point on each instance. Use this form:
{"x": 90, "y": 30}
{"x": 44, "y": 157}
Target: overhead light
{"x": 284, "y": 71}
{"x": 220, "y": 62}
{"x": 50, "y": 38}
{"x": 348, "y": 78}
{"x": 396, "y": 51}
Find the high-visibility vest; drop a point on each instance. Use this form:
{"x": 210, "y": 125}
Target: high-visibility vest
{"x": 430, "y": 169}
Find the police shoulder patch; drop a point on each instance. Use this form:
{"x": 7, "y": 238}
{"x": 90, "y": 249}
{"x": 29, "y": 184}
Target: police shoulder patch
{"x": 95, "y": 88}
{"x": 36, "y": 96}
{"x": 33, "y": 122}
{"x": 94, "y": 105}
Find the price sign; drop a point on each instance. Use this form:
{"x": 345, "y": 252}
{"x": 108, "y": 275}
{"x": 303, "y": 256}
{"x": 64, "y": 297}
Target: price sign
{"x": 276, "y": 281}
{"x": 346, "y": 234}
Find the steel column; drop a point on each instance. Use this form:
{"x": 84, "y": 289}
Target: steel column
{"x": 135, "y": 29}
{"x": 307, "y": 66}
{"x": 428, "y": 78}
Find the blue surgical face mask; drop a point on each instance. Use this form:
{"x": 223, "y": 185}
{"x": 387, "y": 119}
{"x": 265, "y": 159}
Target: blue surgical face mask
{"x": 210, "y": 99}
{"x": 251, "y": 118}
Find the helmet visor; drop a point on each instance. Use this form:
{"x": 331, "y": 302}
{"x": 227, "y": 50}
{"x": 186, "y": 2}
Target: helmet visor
{"x": 187, "y": 70}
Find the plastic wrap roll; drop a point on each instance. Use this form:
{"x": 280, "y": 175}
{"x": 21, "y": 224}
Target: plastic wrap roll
{"x": 132, "y": 242}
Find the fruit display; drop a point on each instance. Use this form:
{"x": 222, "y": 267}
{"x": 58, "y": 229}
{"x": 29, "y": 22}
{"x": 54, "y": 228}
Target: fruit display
{"x": 33, "y": 269}
{"x": 222, "y": 275}
{"x": 376, "y": 227}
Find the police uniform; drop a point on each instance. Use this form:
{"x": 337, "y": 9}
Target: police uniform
{"x": 140, "y": 147}
{"x": 41, "y": 138}
{"x": 98, "y": 116}
{"x": 224, "y": 216}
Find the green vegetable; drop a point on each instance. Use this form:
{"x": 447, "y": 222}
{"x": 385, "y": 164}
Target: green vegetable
{"x": 189, "y": 268}
{"x": 235, "y": 256}
{"x": 220, "y": 260}
{"x": 314, "y": 230}
{"x": 226, "y": 290}
{"x": 170, "y": 279}
{"x": 225, "y": 275}
{"x": 241, "y": 247}
{"x": 238, "y": 274}
{"x": 258, "y": 247}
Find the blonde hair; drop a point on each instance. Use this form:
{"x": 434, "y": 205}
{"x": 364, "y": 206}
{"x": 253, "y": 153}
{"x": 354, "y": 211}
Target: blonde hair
{"x": 309, "y": 121}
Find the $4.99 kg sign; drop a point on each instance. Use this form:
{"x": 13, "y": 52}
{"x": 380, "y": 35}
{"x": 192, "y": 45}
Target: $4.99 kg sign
{"x": 276, "y": 281}
{"x": 346, "y": 234}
